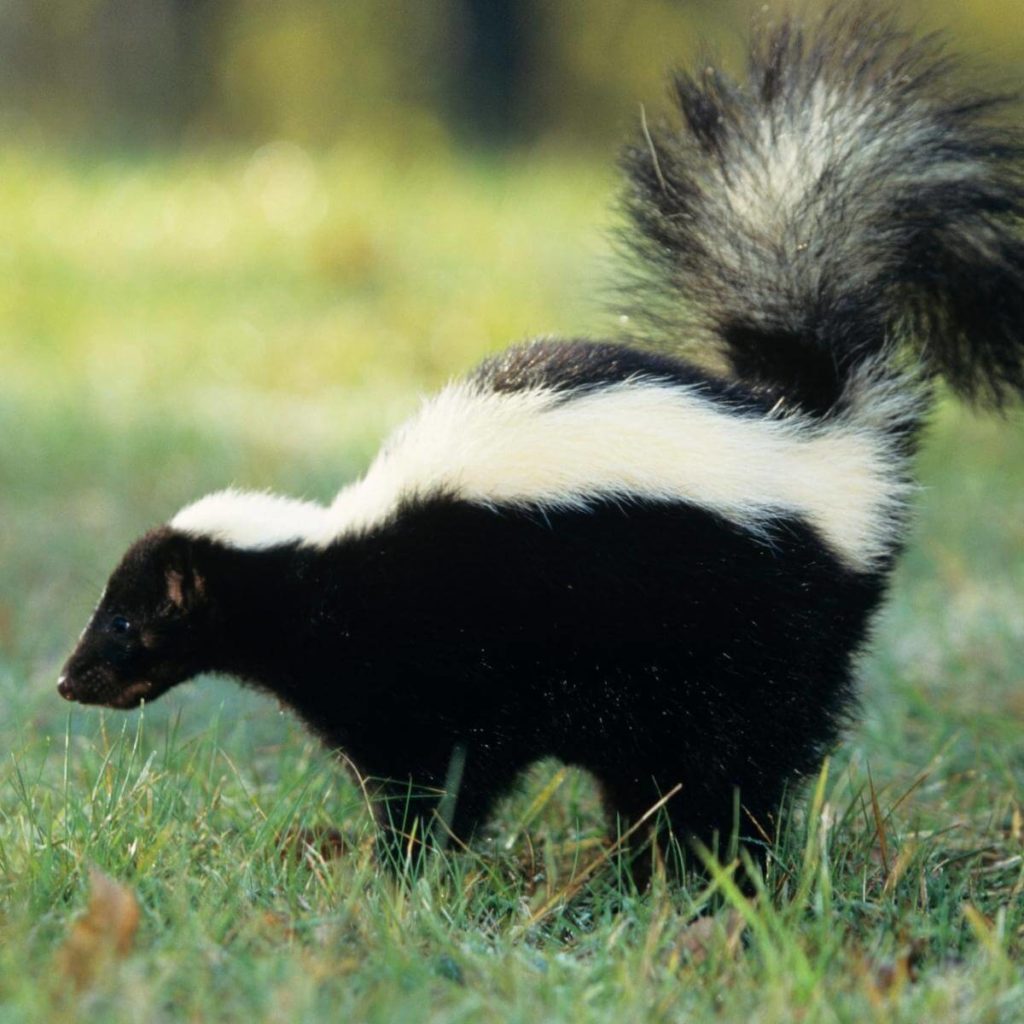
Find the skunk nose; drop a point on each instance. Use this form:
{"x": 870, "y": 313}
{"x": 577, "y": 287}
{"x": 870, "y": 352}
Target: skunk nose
{"x": 64, "y": 687}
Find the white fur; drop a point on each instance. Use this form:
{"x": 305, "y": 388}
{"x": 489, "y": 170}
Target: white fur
{"x": 773, "y": 172}
{"x": 247, "y": 519}
{"x": 636, "y": 440}
{"x": 770, "y": 185}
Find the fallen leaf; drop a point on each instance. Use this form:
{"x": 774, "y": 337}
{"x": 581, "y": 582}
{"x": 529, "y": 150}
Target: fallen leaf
{"x": 324, "y": 843}
{"x": 277, "y": 925}
{"x": 697, "y": 939}
{"x": 888, "y": 978}
{"x": 105, "y": 931}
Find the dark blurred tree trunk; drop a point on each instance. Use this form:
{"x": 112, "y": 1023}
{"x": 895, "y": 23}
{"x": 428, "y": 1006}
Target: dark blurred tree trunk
{"x": 489, "y": 83}
{"x": 157, "y": 61}
{"x": 198, "y": 28}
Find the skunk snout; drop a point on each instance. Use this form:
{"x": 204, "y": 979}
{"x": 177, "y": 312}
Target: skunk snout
{"x": 77, "y": 682}
{"x": 87, "y": 680}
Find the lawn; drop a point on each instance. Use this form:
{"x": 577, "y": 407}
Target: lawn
{"x": 172, "y": 326}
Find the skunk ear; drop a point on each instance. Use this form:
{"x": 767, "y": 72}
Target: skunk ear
{"x": 183, "y": 582}
{"x": 176, "y": 587}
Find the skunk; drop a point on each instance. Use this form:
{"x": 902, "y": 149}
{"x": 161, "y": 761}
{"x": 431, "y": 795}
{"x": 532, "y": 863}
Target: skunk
{"x": 656, "y": 558}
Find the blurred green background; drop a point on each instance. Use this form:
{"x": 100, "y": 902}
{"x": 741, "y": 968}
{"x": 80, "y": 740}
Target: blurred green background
{"x": 237, "y": 239}
{"x": 420, "y": 73}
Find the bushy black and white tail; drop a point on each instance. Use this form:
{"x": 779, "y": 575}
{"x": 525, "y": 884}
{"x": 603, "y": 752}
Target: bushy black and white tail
{"x": 848, "y": 205}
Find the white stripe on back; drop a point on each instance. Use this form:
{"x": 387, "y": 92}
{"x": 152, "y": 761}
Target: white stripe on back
{"x": 639, "y": 440}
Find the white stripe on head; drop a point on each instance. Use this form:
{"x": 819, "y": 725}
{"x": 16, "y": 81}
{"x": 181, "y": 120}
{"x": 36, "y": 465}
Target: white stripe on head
{"x": 639, "y": 440}
{"x": 248, "y": 519}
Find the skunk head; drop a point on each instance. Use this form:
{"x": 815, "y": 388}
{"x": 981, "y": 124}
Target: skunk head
{"x": 150, "y": 630}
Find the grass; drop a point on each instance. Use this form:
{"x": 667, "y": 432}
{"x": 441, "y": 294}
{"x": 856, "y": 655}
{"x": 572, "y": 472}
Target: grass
{"x": 174, "y": 326}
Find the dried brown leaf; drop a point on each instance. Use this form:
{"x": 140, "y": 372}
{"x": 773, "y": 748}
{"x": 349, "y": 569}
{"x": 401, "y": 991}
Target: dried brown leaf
{"x": 322, "y": 842}
{"x": 276, "y": 925}
{"x": 700, "y": 937}
{"x": 886, "y": 979}
{"x": 105, "y": 932}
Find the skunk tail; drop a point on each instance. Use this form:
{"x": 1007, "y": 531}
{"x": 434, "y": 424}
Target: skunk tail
{"x": 846, "y": 208}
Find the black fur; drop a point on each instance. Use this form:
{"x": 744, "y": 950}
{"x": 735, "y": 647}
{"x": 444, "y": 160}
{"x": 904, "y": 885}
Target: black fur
{"x": 578, "y": 367}
{"x": 655, "y": 644}
{"x": 627, "y": 640}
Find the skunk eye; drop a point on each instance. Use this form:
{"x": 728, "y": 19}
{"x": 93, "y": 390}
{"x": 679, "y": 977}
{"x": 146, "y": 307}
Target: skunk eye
{"x": 119, "y": 624}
